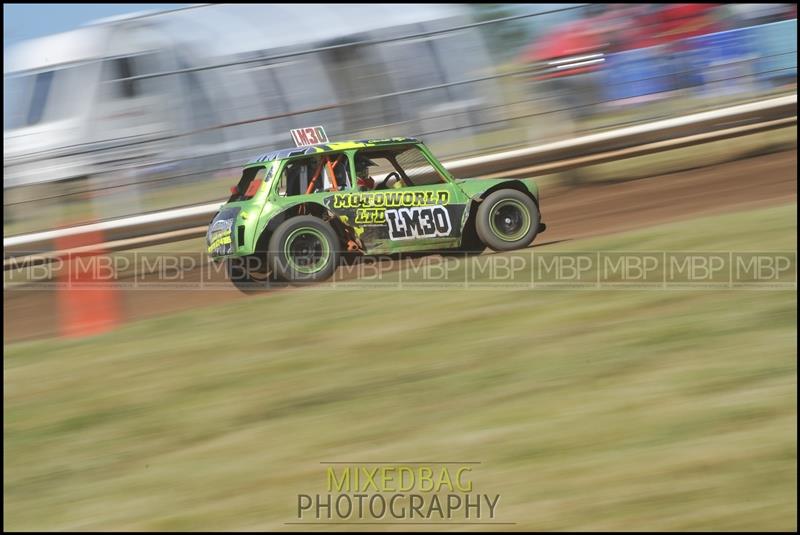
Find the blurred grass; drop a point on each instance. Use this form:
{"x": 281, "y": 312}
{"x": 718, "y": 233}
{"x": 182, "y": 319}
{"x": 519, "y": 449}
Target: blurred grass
{"x": 589, "y": 410}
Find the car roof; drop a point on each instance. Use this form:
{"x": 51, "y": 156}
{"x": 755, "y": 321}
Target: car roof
{"x": 329, "y": 147}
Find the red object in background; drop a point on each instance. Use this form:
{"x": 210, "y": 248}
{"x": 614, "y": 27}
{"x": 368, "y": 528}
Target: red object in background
{"x": 673, "y": 22}
{"x": 571, "y": 41}
{"x": 620, "y": 27}
{"x": 89, "y": 304}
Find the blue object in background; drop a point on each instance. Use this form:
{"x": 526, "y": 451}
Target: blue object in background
{"x": 777, "y": 50}
{"x": 727, "y": 61}
{"x": 634, "y": 73}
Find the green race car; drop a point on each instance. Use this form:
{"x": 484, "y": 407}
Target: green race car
{"x": 295, "y": 212}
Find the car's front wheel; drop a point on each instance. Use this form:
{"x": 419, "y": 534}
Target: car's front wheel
{"x": 303, "y": 249}
{"x": 249, "y": 273}
{"x": 507, "y": 219}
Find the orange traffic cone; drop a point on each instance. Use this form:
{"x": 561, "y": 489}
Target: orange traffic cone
{"x": 88, "y": 299}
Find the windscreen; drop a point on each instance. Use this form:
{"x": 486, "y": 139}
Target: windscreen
{"x": 417, "y": 168}
{"x": 249, "y": 184}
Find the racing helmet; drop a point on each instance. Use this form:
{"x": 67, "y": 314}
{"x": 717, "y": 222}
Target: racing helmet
{"x": 363, "y": 180}
{"x": 363, "y": 164}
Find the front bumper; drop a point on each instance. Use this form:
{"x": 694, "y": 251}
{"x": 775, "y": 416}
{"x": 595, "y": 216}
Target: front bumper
{"x": 220, "y": 237}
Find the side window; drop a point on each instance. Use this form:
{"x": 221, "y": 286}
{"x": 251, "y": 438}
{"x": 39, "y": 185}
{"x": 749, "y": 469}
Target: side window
{"x": 313, "y": 174}
{"x": 118, "y": 70}
{"x": 417, "y": 168}
{"x": 41, "y": 90}
{"x": 397, "y": 168}
{"x": 295, "y": 177}
{"x": 380, "y": 166}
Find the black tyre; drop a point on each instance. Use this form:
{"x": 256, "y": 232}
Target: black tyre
{"x": 250, "y": 273}
{"x": 507, "y": 219}
{"x": 303, "y": 249}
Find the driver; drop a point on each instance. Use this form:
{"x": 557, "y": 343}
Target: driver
{"x": 363, "y": 180}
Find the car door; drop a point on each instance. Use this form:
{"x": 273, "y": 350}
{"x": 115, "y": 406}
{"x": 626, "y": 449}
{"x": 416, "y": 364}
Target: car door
{"x": 425, "y": 213}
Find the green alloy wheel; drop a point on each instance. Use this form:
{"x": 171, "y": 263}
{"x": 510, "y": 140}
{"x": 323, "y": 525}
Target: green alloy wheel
{"x": 304, "y": 249}
{"x": 507, "y": 219}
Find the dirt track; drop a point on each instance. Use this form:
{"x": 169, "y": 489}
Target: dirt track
{"x": 569, "y": 214}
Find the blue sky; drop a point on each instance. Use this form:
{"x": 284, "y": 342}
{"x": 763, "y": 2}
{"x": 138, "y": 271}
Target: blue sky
{"x": 26, "y": 21}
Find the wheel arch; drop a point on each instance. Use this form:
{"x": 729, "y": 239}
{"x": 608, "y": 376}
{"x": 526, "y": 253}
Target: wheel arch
{"x": 469, "y": 225}
{"x": 508, "y": 184}
{"x": 311, "y": 208}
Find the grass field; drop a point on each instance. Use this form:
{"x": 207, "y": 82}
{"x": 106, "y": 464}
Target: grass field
{"x": 588, "y": 409}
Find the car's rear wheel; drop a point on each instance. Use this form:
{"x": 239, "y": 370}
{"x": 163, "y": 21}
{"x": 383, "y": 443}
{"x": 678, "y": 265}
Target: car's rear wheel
{"x": 303, "y": 249}
{"x": 507, "y": 219}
